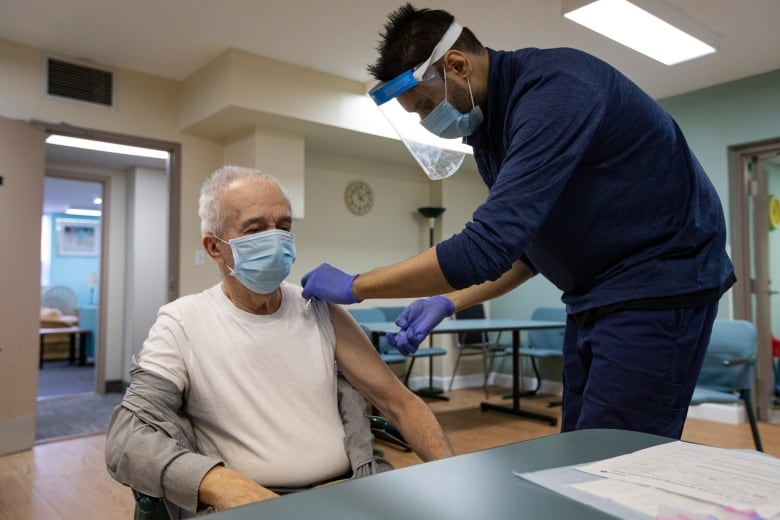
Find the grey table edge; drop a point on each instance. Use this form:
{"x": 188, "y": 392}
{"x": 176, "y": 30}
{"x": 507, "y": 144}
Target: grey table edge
{"x": 478, "y": 485}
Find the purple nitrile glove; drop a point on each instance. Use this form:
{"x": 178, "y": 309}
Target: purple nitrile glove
{"x": 417, "y": 321}
{"x": 329, "y": 284}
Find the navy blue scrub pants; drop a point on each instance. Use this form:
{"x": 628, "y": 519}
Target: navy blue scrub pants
{"x": 634, "y": 369}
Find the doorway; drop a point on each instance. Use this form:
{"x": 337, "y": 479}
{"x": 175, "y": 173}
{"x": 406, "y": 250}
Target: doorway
{"x": 129, "y": 284}
{"x": 754, "y": 177}
{"x": 70, "y": 272}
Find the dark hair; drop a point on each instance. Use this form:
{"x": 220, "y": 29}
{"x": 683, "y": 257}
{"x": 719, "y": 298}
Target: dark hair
{"x": 409, "y": 38}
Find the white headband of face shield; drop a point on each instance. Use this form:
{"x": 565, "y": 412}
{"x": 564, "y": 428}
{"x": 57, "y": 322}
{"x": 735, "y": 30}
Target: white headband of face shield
{"x": 438, "y": 157}
{"x": 447, "y": 41}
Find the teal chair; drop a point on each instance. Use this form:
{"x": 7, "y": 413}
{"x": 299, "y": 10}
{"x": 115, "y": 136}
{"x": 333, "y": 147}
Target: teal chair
{"x": 387, "y": 352}
{"x": 544, "y": 344}
{"x": 149, "y": 508}
{"x": 391, "y": 314}
{"x": 728, "y": 373}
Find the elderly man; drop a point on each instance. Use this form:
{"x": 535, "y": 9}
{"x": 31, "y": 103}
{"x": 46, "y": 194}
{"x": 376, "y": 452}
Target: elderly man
{"x": 235, "y": 393}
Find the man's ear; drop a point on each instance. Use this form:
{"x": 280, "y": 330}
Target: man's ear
{"x": 457, "y": 63}
{"x": 210, "y": 245}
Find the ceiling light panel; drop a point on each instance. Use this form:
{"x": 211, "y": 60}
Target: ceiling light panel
{"x": 638, "y": 29}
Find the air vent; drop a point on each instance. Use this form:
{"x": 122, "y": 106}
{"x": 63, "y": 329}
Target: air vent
{"x": 73, "y": 81}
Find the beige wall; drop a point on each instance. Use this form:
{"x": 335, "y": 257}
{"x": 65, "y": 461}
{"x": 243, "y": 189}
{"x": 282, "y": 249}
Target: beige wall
{"x": 200, "y": 114}
{"x": 207, "y": 113}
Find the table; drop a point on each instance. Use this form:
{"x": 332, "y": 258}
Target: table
{"x": 472, "y": 486}
{"x": 377, "y": 329}
{"x": 70, "y": 319}
{"x": 74, "y": 333}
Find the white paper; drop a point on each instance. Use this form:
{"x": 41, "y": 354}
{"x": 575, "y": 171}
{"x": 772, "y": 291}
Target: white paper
{"x": 646, "y": 500}
{"x": 745, "y": 480}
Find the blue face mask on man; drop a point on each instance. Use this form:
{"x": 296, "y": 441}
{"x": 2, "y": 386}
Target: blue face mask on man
{"x": 262, "y": 260}
{"x": 448, "y": 122}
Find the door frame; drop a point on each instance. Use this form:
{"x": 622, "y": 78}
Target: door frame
{"x": 173, "y": 177}
{"x": 750, "y": 248}
{"x": 105, "y": 182}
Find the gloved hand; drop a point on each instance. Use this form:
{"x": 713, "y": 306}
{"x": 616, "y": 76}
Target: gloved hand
{"x": 417, "y": 321}
{"x": 329, "y": 284}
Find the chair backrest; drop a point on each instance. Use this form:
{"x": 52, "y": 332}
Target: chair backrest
{"x": 475, "y": 312}
{"x": 391, "y": 313}
{"x": 547, "y": 339}
{"x": 373, "y": 314}
{"x": 729, "y": 363}
{"x": 60, "y": 297}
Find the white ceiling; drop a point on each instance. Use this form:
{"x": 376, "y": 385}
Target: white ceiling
{"x": 174, "y": 38}
{"x": 60, "y": 194}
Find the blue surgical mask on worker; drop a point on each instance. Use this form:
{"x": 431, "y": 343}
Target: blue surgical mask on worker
{"x": 262, "y": 260}
{"x": 448, "y": 122}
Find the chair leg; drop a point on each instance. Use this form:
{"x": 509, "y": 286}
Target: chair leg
{"x": 751, "y": 413}
{"x": 486, "y": 368}
{"x": 455, "y": 369}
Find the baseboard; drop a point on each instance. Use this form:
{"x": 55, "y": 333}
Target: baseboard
{"x": 722, "y": 413}
{"x": 116, "y": 386}
{"x": 17, "y": 434}
{"x": 417, "y": 382}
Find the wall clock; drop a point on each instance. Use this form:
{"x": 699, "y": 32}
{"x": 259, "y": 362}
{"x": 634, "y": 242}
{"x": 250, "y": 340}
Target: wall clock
{"x": 359, "y": 197}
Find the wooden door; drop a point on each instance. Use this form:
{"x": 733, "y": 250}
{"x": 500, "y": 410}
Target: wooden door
{"x": 22, "y": 158}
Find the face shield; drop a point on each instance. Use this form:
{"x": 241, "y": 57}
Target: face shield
{"x": 438, "y": 157}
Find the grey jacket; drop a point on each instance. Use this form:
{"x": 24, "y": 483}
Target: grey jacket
{"x": 151, "y": 446}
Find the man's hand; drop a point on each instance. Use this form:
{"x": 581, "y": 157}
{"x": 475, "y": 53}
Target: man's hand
{"x": 329, "y": 284}
{"x": 417, "y": 321}
{"x": 224, "y": 488}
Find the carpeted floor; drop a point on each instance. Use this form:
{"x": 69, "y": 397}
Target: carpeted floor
{"x": 60, "y": 378}
{"x": 70, "y": 416}
{"x": 67, "y": 404}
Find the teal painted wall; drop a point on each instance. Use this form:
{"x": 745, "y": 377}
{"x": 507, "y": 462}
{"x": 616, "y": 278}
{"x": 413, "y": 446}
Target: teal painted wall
{"x": 74, "y": 270}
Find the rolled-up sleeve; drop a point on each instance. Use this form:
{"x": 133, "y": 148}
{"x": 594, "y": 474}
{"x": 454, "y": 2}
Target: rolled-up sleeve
{"x": 150, "y": 446}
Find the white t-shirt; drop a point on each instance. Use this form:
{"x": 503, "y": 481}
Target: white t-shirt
{"x": 260, "y": 390}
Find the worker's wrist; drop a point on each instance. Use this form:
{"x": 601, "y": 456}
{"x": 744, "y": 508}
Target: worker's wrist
{"x": 355, "y": 288}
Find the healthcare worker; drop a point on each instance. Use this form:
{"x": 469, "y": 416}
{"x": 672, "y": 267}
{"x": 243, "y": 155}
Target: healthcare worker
{"x": 591, "y": 184}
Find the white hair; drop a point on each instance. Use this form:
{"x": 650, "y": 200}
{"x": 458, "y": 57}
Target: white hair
{"x": 212, "y": 220}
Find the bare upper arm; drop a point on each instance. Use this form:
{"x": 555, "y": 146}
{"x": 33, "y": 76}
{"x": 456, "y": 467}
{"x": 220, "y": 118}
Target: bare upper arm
{"x": 360, "y": 362}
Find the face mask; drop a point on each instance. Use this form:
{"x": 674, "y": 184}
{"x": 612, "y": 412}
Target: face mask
{"x": 448, "y": 122}
{"x": 262, "y": 260}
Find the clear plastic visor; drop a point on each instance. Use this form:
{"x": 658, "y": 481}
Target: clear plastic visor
{"x": 422, "y": 89}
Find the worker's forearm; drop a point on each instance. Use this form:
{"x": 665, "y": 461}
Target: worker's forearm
{"x": 465, "y": 298}
{"x": 418, "y": 276}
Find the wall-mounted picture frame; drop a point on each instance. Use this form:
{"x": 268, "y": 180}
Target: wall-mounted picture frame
{"x": 77, "y": 237}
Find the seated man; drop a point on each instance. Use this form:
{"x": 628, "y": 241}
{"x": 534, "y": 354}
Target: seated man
{"x": 234, "y": 393}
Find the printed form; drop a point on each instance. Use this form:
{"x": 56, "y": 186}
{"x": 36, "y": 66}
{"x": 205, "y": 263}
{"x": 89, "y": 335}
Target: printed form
{"x": 673, "y": 478}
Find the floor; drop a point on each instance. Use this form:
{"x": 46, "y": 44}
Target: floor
{"x": 67, "y": 479}
{"x": 60, "y": 377}
{"x": 67, "y": 404}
